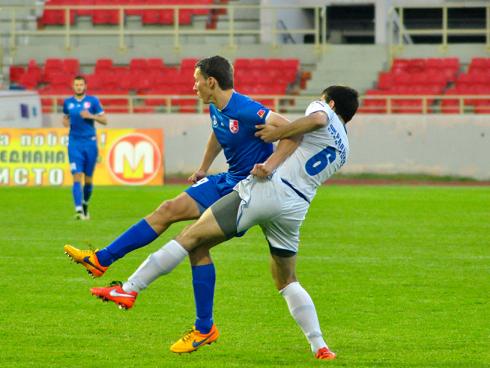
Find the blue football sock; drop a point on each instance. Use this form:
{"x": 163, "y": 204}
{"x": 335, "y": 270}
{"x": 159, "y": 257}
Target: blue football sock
{"x": 137, "y": 236}
{"x": 87, "y": 192}
{"x": 203, "y": 281}
{"x": 77, "y": 195}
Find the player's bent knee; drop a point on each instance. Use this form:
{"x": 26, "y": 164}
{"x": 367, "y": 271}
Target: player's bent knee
{"x": 77, "y": 177}
{"x": 167, "y": 212}
{"x": 191, "y": 237}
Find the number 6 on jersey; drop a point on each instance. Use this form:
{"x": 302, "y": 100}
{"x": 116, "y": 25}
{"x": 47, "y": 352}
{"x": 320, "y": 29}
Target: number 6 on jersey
{"x": 320, "y": 161}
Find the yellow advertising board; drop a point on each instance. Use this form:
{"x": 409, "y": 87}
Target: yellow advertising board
{"x": 37, "y": 157}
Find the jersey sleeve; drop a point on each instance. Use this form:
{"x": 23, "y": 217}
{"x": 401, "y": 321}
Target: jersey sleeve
{"x": 316, "y": 106}
{"x": 97, "y": 107}
{"x": 254, "y": 113}
{"x": 65, "y": 108}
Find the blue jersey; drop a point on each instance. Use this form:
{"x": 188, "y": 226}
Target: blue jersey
{"x": 80, "y": 127}
{"x": 234, "y": 128}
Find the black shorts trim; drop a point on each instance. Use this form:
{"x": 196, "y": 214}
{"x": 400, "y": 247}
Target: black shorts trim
{"x": 281, "y": 252}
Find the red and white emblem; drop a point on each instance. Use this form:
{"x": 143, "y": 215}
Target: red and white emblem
{"x": 261, "y": 113}
{"x": 234, "y": 126}
{"x": 86, "y": 105}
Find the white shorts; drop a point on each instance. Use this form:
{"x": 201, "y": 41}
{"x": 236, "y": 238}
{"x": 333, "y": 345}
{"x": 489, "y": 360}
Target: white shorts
{"x": 273, "y": 205}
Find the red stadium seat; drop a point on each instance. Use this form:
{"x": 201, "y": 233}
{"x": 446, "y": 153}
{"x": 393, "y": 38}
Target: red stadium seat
{"x": 16, "y": 72}
{"x": 57, "y": 16}
{"x": 138, "y": 64}
{"x": 188, "y": 63}
{"x": 103, "y": 64}
{"x": 88, "y": 11}
{"x": 136, "y": 11}
{"x": 185, "y": 16}
{"x": 152, "y": 77}
{"x": 385, "y": 80}
{"x": 106, "y": 16}
{"x": 155, "y": 64}
{"x": 243, "y": 64}
{"x": 71, "y": 66}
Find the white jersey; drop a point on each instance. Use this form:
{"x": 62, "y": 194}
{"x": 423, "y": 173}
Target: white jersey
{"x": 320, "y": 154}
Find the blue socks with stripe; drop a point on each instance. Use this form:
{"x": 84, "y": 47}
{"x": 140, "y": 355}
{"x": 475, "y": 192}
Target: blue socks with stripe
{"x": 137, "y": 236}
{"x": 203, "y": 281}
{"x": 77, "y": 195}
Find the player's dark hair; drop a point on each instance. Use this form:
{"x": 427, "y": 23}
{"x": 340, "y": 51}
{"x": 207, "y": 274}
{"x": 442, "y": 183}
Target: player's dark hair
{"x": 80, "y": 77}
{"x": 219, "y": 68}
{"x": 346, "y": 101}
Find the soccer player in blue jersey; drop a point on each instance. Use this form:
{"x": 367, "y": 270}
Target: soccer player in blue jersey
{"x": 80, "y": 114}
{"x": 233, "y": 119}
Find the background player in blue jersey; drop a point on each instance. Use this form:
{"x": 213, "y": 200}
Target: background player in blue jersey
{"x": 80, "y": 113}
{"x": 233, "y": 119}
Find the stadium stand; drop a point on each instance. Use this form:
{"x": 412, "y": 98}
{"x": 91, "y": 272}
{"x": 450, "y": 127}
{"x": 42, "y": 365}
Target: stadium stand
{"x": 411, "y": 77}
{"x": 474, "y": 82}
{"x": 151, "y": 77}
{"x": 411, "y": 85}
{"x": 110, "y": 16}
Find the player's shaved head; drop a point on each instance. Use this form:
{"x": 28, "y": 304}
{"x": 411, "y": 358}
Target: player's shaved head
{"x": 219, "y": 68}
{"x": 346, "y": 101}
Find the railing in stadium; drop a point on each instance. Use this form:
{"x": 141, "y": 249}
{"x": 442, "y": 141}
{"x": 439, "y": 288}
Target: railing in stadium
{"x": 319, "y": 29}
{"x": 296, "y": 104}
{"x": 444, "y": 31}
{"x": 121, "y": 31}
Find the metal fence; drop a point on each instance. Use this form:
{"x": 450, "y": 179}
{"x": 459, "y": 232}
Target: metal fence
{"x": 426, "y": 104}
{"x": 176, "y": 30}
{"x": 397, "y": 29}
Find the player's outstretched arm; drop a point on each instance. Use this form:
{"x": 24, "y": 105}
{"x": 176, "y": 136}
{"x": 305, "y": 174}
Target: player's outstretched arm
{"x": 284, "y": 149}
{"x": 213, "y": 148}
{"x": 271, "y": 132}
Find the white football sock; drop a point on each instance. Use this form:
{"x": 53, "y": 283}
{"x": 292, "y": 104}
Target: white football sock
{"x": 304, "y": 313}
{"x": 161, "y": 262}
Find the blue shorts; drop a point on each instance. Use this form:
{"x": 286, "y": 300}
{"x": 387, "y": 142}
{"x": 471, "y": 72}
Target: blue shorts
{"x": 211, "y": 188}
{"x": 82, "y": 154}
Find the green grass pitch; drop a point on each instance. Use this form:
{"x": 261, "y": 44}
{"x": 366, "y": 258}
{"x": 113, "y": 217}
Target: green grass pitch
{"x": 400, "y": 277}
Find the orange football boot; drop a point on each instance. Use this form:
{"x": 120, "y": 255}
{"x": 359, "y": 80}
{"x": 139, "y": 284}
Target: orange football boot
{"x": 115, "y": 293}
{"x": 87, "y": 258}
{"x": 194, "y": 339}
{"x": 325, "y": 354}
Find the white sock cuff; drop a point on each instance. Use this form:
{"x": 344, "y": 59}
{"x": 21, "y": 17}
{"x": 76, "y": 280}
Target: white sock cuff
{"x": 169, "y": 256}
{"x": 162, "y": 262}
{"x": 174, "y": 247}
{"x": 291, "y": 289}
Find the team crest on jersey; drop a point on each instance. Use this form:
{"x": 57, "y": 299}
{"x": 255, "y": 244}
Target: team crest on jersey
{"x": 215, "y": 121}
{"x": 234, "y": 126}
{"x": 71, "y": 105}
{"x": 86, "y": 105}
{"x": 261, "y": 113}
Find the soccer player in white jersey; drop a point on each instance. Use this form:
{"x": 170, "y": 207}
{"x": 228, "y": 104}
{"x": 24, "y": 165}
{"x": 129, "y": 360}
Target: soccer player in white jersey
{"x": 276, "y": 196}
